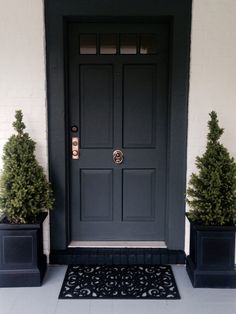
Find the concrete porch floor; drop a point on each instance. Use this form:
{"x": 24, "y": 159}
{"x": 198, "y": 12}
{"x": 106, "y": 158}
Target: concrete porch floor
{"x": 44, "y": 300}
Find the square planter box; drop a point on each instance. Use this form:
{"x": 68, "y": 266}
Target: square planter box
{"x": 210, "y": 263}
{"x": 22, "y": 262}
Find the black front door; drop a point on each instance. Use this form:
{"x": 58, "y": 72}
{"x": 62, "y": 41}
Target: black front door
{"x": 118, "y": 101}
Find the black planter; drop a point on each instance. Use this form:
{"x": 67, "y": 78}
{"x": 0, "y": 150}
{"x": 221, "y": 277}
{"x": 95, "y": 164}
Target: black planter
{"x": 210, "y": 263}
{"x": 22, "y": 262}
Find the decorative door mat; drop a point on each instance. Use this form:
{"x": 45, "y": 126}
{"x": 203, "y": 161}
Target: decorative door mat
{"x": 119, "y": 282}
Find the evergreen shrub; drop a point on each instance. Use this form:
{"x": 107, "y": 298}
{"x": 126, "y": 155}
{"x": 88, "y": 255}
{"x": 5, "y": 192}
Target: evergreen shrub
{"x": 211, "y": 193}
{"x": 24, "y": 189}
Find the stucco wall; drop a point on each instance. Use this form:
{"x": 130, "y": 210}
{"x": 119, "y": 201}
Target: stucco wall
{"x": 212, "y": 74}
{"x": 22, "y": 74}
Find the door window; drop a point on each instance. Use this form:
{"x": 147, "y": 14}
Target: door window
{"x": 88, "y": 44}
{"x": 108, "y": 44}
{"x": 113, "y": 44}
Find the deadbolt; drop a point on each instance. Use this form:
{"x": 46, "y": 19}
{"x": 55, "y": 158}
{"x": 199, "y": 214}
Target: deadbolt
{"x": 75, "y": 143}
{"x": 75, "y": 153}
{"x": 118, "y": 156}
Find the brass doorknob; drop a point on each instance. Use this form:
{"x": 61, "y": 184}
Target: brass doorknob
{"x": 118, "y": 156}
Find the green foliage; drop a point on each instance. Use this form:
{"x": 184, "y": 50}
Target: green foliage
{"x": 24, "y": 189}
{"x": 211, "y": 193}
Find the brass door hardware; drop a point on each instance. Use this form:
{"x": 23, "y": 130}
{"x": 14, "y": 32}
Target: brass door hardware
{"x": 75, "y": 147}
{"x": 118, "y": 156}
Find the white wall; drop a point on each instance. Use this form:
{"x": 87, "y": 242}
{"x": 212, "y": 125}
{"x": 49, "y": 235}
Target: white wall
{"x": 212, "y": 75}
{"x": 22, "y": 73}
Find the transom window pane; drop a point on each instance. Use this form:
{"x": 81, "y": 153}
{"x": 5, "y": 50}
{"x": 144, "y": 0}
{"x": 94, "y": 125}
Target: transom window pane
{"x": 108, "y": 43}
{"x": 128, "y": 44}
{"x": 88, "y": 44}
{"x": 148, "y": 44}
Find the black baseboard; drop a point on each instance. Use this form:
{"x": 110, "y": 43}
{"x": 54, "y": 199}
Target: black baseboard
{"x": 124, "y": 256}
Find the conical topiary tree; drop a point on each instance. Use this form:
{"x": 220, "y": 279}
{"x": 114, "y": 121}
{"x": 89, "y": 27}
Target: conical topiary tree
{"x": 211, "y": 194}
{"x": 24, "y": 189}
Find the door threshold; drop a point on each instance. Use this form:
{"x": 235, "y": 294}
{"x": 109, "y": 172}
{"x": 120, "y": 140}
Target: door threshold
{"x": 118, "y": 244}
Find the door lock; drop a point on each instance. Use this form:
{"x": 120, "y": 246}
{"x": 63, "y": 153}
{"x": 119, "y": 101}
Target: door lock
{"x": 75, "y": 147}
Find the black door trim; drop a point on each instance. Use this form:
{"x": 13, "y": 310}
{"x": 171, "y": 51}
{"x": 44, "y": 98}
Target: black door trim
{"x": 178, "y": 15}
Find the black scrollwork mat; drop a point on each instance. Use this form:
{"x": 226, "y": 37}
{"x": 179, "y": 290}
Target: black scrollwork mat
{"x": 119, "y": 282}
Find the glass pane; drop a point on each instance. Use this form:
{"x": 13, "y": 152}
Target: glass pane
{"x": 88, "y": 44}
{"x": 108, "y": 44}
{"x": 128, "y": 44}
{"x": 148, "y": 44}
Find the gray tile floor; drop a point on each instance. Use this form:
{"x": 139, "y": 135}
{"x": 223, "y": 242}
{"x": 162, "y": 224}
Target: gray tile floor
{"x": 44, "y": 300}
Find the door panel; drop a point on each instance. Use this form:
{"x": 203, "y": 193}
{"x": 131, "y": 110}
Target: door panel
{"x": 139, "y": 105}
{"x": 96, "y": 103}
{"x": 139, "y": 195}
{"x": 99, "y": 185}
{"x": 118, "y": 101}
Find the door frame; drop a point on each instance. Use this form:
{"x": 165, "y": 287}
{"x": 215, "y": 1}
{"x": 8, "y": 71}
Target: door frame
{"x": 178, "y": 15}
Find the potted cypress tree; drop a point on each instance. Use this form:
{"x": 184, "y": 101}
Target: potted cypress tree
{"x": 211, "y": 196}
{"x": 25, "y": 197}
